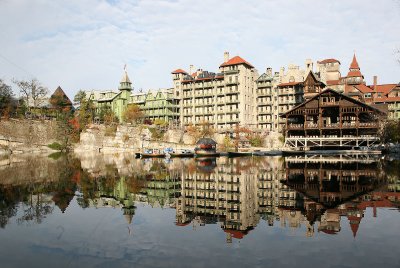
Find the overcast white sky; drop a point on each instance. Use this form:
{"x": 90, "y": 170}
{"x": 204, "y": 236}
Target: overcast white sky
{"x": 84, "y": 44}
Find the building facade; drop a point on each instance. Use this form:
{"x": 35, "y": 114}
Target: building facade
{"x": 331, "y": 119}
{"x": 158, "y": 105}
{"x": 221, "y": 99}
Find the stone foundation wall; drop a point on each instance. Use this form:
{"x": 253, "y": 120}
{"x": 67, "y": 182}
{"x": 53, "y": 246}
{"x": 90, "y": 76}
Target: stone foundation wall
{"x": 26, "y": 136}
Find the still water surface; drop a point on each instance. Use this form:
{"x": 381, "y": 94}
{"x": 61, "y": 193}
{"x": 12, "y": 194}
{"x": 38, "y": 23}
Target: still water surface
{"x": 116, "y": 211}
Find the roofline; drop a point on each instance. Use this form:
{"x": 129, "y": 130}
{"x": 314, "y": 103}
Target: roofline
{"x": 334, "y": 91}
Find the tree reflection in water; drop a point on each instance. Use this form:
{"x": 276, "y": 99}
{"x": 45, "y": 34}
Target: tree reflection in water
{"x": 236, "y": 192}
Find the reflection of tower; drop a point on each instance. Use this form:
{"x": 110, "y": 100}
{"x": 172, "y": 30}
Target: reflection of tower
{"x": 128, "y": 213}
{"x": 354, "y": 215}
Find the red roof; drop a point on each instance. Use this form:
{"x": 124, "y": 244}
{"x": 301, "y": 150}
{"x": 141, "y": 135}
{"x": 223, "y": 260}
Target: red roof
{"x": 356, "y": 73}
{"x": 385, "y": 89}
{"x": 329, "y": 61}
{"x": 387, "y": 99}
{"x": 235, "y": 61}
{"x": 364, "y": 89}
{"x": 354, "y": 63}
{"x": 289, "y": 84}
{"x": 179, "y": 71}
{"x": 333, "y": 82}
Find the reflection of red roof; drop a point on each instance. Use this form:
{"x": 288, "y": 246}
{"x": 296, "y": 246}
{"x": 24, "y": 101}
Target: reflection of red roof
{"x": 356, "y": 223}
{"x": 179, "y": 71}
{"x": 181, "y": 223}
{"x": 235, "y": 61}
{"x": 329, "y": 61}
{"x": 354, "y": 63}
{"x": 289, "y": 84}
{"x": 236, "y": 234}
{"x": 364, "y": 89}
{"x": 330, "y": 232}
{"x": 332, "y": 82}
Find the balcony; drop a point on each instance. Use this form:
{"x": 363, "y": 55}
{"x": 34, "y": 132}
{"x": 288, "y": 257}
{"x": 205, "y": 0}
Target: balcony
{"x": 231, "y": 71}
{"x": 233, "y": 111}
{"x": 311, "y": 125}
{"x": 265, "y": 112}
{"x": 369, "y": 125}
{"x": 329, "y": 103}
{"x": 231, "y": 101}
{"x": 231, "y": 90}
{"x": 332, "y": 125}
{"x": 295, "y": 126}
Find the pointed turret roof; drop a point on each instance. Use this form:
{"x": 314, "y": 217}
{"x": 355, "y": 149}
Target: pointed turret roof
{"x": 128, "y": 218}
{"x": 354, "y": 63}
{"x": 125, "y": 78}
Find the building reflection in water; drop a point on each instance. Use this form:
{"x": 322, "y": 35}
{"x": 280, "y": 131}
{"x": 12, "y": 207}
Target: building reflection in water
{"x": 316, "y": 193}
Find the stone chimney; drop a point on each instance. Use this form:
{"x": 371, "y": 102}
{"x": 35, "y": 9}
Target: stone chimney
{"x": 226, "y": 56}
{"x": 282, "y": 71}
{"x": 269, "y": 72}
{"x": 191, "y": 69}
{"x": 309, "y": 65}
{"x": 375, "y": 82}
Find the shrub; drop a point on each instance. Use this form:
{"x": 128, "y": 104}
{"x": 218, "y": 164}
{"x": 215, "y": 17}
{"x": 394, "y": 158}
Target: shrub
{"x": 55, "y": 146}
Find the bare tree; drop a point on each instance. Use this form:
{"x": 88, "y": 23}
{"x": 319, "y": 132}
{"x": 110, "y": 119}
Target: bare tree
{"x": 32, "y": 90}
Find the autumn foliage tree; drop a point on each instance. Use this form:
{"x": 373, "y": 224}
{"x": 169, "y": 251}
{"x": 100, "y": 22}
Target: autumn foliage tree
{"x": 133, "y": 114}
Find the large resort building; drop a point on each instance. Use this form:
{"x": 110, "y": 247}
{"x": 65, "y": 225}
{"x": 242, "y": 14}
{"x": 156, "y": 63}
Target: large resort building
{"x": 222, "y": 99}
{"x": 237, "y": 95}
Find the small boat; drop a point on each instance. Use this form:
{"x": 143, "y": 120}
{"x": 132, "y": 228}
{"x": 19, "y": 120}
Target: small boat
{"x": 182, "y": 153}
{"x": 152, "y": 153}
{"x": 238, "y": 154}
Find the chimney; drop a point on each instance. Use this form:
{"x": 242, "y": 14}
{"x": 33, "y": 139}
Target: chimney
{"x": 375, "y": 82}
{"x": 191, "y": 69}
{"x": 309, "y": 65}
{"x": 226, "y": 56}
{"x": 269, "y": 72}
{"x": 282, "y": 71}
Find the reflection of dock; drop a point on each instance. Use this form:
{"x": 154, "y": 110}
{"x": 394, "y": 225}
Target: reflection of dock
{"x": 361, "y": 158}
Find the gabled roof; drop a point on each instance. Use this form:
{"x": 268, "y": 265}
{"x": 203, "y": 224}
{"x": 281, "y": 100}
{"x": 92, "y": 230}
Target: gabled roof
{"x": 338, "y": 93}
{"x": 385, "y": 89}
{"x": 328, "y": 61}
{"x": 60, "y": 93}
{"x": 236, "y": 61}
{"x": 289, "y": 84}
{"x": 364, "y": 89}
{"x": 312, "y": 74}
{"x": 178, "y": 71}
{"x": 354, "y": 63}
{"x": 264, "y": 77}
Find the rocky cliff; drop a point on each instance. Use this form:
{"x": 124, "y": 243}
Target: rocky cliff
{"x": 26, "y": 136}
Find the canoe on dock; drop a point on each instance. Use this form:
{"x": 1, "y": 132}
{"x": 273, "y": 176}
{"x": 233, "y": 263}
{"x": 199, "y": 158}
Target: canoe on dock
{"x": 152, "y": 155}
{"x": 182, "y": 153}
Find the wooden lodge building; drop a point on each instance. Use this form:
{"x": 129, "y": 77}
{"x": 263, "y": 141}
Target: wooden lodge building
{"x": 330, "y": 119}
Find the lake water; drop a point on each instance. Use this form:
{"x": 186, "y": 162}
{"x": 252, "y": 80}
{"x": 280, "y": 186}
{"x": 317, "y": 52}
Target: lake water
{"x": 117, "y": 211}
